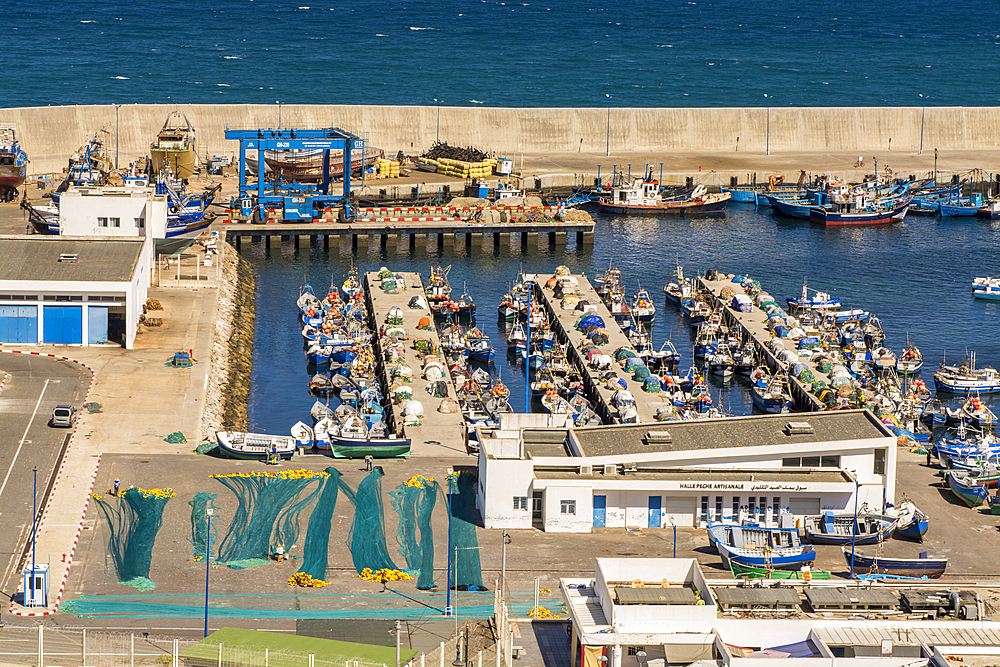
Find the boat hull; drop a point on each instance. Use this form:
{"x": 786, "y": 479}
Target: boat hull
{"x": 350, "y": 448}
{"x": 12, "y": 176}
{"x": 932, "y": 568}
{"x": 711, "y": 208}
{"x": 831, "y": 219}
{"x": 741, "y": 571}
{"x": 181, "y": 161}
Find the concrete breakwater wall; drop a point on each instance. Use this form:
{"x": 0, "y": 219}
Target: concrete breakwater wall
{"x": 51, "y": 134}
{"x": 232, "y": 348}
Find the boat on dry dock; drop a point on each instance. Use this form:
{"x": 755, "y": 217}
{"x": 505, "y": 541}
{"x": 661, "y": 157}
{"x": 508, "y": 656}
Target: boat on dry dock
{"x": 13, "y": 163}
{"x": 174, "y": 147}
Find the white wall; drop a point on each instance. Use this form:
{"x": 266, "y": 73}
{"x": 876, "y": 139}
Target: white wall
{"x": 501, "y": 480}
{"x": 80, "y": 208}
{"x": 555, "y": 521}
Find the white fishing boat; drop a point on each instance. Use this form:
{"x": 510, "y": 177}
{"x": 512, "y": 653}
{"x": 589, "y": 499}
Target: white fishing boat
{"x": 966, "y": 378}
{"x": 256, "y": 446}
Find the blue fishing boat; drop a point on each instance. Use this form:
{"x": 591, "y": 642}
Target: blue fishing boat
{"x": 986, "y": 288}
{"x": 818, "y": 301}
{"x": 777, "y": 548}
{"x": 911, "y": 523}
{"x": 798, "y": 209}
{"x": 845, "y": 215}
{"x": 13, "y": 163}
{"x": 966, "y": 378}
{"x": 911, "y": 568}
{"x": 831, "y": 528}
{"x": 968, "y": 491}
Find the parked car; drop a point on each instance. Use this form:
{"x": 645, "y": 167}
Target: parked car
{"x": 63, "y": 416}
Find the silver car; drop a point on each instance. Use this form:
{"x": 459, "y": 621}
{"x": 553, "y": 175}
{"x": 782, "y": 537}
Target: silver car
{"x": 63, "y": 416}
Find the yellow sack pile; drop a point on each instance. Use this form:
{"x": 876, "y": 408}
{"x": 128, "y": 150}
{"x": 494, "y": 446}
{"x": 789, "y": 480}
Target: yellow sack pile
{"x": 388, "y": 168}
{"x": 460, "y": 169}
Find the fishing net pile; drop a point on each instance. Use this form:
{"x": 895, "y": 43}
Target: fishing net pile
{"x": 314, "y": 553}
{"x": 201, "y": 541}
{"x": 414, "y": 502}
{"x": 443, "y": 150}
{"x": 268, "y": 512}
{"x": 367, "y": 537}
{"x": 133, "y": 523}
{"x": 464, "y": 544}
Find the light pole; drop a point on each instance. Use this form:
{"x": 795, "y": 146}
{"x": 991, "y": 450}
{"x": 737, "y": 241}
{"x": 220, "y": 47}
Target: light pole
{"x": 854, "y": 526}
{"x": 208, "y": 559}
{"x": 117, "y": 107}
{"x": 437, "y": 138}
{"x": 458, "y": 662}
{"x": 503, "y": 566}
{"x": 397, "y": 643}
{"x": 607, "y": 145}
{"x": 767, "y": 141}
{"x": 923, "y": 107}
{"x": 278, "y": 102}
{"x": 34, "y": 532}
{"x": 447, "y": 604}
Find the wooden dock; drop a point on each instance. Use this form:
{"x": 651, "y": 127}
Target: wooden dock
{"x": 412, "y": 232}
{"x": 563, "y": 322}
{"x": 750, "y": 326}
{"x": 438, "y": 433}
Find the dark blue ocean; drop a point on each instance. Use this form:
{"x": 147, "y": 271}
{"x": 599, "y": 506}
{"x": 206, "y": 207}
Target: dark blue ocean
{"x": 915, "y": 276}
{"x": 709, "y": 53}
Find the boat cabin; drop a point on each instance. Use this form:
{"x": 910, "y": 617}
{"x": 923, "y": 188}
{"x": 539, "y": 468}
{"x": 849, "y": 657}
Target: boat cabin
{"x": 640, "y": 192}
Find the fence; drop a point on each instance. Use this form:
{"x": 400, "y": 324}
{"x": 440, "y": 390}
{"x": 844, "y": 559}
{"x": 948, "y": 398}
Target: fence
{"x": 188, "y": 267}
{"x": 49, "y": 645}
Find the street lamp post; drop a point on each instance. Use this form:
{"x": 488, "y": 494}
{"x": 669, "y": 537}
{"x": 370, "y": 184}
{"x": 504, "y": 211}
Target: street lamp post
{"x": 437, "y": 138}
{"x": 923, "y": 107}
{"x": 767, "y": 140}
{"x": 854, "y": 526}
{"x": 607, "y": 146}
{"x": 278, "y": 102}
{"x": 208, "y": 559}
{"x": 34, "y": 530}
{"x": 398, "y": 625}
{"x": 117, "y": 107}
{"x": 447, "y": 604}
{"x": 503, "y": 566}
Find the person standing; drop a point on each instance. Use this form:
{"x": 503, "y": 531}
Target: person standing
{"x": 368, "y": 463}
{"x": 117, "y": 485}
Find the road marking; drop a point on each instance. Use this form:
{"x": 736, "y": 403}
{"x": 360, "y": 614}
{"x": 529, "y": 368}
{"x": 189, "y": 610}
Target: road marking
{"x": 13, "y": 560}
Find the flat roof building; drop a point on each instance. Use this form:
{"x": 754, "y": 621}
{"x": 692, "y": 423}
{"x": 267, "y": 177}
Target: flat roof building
{"x": 72, "y": 291}
{"x": 685, "y": 473}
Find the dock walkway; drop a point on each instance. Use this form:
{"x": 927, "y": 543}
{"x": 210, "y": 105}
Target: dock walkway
{"x": 563, "y": 322}
{"x": 438, "y": 433}
{"x": 752, "y": 326}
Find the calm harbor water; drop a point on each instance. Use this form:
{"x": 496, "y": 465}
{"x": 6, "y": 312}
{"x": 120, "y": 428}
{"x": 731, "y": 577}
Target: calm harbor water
{"x": 915, "y": 276}
{"x": 511, "y": 53}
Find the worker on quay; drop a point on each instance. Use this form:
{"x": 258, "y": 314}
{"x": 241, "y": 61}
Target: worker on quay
{"x": 117, "y": 485}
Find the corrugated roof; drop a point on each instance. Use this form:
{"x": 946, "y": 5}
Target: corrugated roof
{"x": 658, "y": 596}
{"x": 587, "y": 607}
{"x": 755, "y": 431}
{"x": 36, "y": 258}
{"x": 873, "y": 635}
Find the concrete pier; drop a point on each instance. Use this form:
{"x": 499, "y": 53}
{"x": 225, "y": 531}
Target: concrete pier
{"x": 563, "y": 322}
{"x": 438, "y": 433}
{"x": 750, "y": 326}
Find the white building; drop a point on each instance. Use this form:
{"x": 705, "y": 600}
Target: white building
{"x": 113, "y": 211}
{"x": 686, "y": 473}
{"x": 655, "y": 612}
{"x": 72, "y": 291}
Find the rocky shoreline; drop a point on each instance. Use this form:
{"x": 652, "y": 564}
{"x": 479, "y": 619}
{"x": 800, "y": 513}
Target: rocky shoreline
{"x": 232, "y": 348}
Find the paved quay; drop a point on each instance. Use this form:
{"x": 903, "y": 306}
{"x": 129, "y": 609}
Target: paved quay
{"x": 438, "y": 433}
{"x": 752, "y": 326}
{"x": 564, "y": 320}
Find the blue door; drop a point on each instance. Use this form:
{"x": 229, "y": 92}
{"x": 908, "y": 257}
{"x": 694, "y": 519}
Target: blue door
{"x": 97, "y": 325}
{"x": 19, "y": 324}
{"x": 63, "y": 325}
{"x": 655, "y": 514}
{"x": 600, "y": 511}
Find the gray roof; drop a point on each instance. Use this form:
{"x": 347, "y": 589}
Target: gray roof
{"x": 793, "y": 475}
{"x": 755, "y": 431}
{"x": 37, "y": 258}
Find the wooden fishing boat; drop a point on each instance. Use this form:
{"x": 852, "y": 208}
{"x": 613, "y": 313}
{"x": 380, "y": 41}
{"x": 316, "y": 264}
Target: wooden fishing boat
{"x": 306, "y": 165}
{"x": 254, "y": 446}
{"x": 642, "y": 197}
{"x": 771, "y": 548}
{"x": 932, "y": 568}
{"x": 911, "y": 523}
{"x": 741, "y": 571}
{"x": 175, "y": 148}
{"x": 910, "y": 361}
{"x": 355, "y": 440}
{"x": 832, "y": 528}
{"x": 679, "y": 288}
{"x": 847, "y": 215}
{"x": 966, "y": 488}
{"x": 13, "y": 163}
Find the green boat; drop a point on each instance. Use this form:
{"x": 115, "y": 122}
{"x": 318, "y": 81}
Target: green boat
{"x": 754, "y": 572}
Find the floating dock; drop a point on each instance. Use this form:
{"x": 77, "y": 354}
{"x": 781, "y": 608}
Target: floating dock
{"x": 435, "y": 427}
{"x": 413, "y": 231}
{"x": 563, "y": 322}
{"x": 750, "y": 326}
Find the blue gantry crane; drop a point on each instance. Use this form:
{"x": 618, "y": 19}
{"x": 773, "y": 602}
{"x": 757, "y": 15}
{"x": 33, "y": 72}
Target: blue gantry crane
{"x": 297, "y": 201}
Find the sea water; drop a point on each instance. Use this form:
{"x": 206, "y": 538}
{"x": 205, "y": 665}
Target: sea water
{"x": 511, "y": 53}
{"x": 915, "y": 276}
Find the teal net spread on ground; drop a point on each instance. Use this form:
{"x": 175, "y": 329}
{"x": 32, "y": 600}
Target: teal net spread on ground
{"x": 201, "y": 542}
{"x": 133, "y": 523}
{"x": 314, "y": 552}
{"x": 414, "y": 502}
{"x": 464, "y": 543}
{"x": 269, "y": 505}
{"x": 367, "y": 536}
